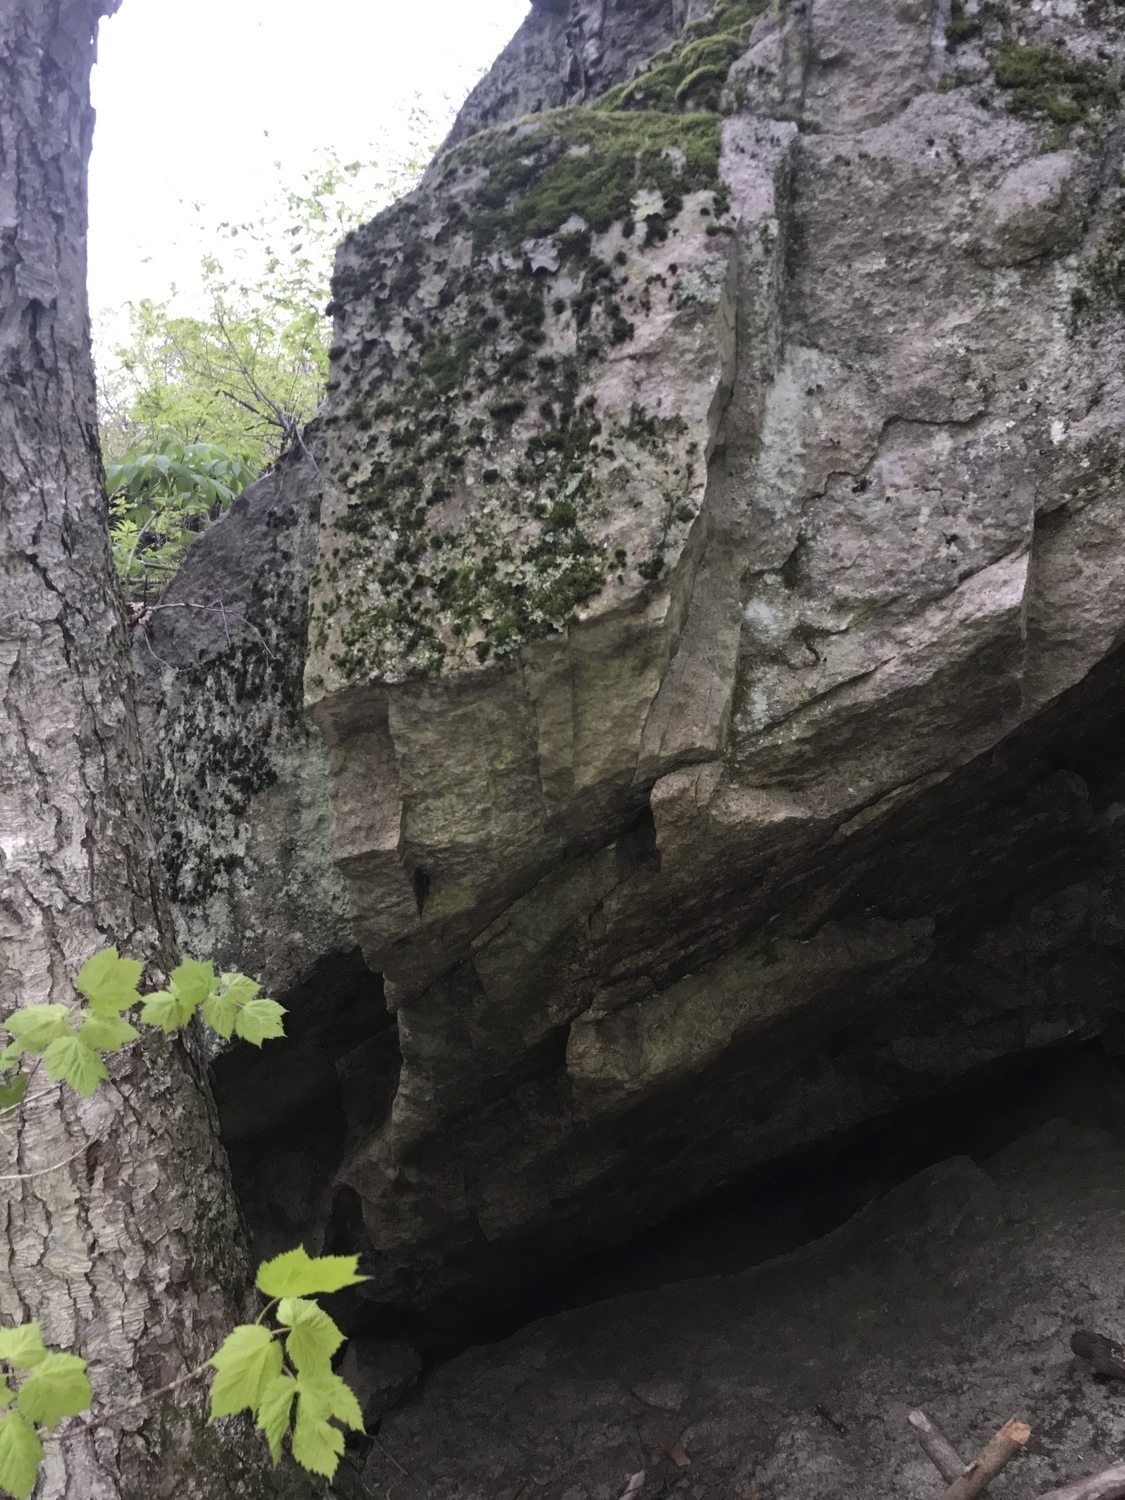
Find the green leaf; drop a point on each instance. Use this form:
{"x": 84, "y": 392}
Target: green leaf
{"x": 163, "y": 1009}
{"x": 70, "y": 1060}
{"x": 259, "y": 1020}
{"x": 110, "y": 982}
{"x": 329, "y": 1396}
{"x": 219, "y": 1011}
{"x": 12, "y": 1093}
{"x": 38, "y": 1025}
{"x": 57, "y": 1389}
{"x": 317, "y": 1445}
{"x": 240, "y": 989}
{"x": 192, "y": 982}
{"x": 107, "y": 1033}
{"x": 313, "y": 1338}
{"x": 21, "y": 1453}
{"x": 296, "y": 1274}
{"x": 273, "y": 1412}
{"x": 248, "y": 1359}
{"x": 5, "y": 1391}
{"x": 22, "y": 1346}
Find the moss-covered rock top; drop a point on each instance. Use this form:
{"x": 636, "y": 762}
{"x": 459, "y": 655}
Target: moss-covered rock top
{"x": 691, "y": 71}
{"x": 528, "y": 350}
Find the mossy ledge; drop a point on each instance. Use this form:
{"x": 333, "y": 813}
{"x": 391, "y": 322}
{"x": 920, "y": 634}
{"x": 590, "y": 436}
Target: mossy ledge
{"x": 690, "y": 72}
{"x": 1051, "y": 82}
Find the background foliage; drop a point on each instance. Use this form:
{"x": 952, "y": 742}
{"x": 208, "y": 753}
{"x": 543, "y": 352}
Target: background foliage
{"x": 209, "y": 386}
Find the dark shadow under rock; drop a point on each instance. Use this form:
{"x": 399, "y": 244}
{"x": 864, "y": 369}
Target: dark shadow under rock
{"x": 957, "y": 1292}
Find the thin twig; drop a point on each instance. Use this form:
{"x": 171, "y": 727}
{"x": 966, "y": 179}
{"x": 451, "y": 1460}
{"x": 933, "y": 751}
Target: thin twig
{"x": 219, "y": 608}
{"x": 389, "y": 1456}
{"x": 42, "y": 1172}
{"x": 103, "y": 1419}
{"x": 28, "y": 1099}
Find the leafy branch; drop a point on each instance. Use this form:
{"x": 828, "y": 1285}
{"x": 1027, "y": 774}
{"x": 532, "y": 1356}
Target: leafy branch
{"x": 266, "y": 1367}
{"x": 73, "y": 1041}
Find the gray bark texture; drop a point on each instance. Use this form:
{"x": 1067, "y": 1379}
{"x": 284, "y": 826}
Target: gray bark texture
{"x": 130, "y": 1253}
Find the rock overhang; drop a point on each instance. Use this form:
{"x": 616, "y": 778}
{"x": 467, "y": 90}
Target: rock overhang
{"x": 671, "y": 873}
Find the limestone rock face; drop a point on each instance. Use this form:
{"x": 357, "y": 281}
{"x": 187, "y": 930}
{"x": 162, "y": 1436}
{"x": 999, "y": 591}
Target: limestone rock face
{"x": 717, "y": 618}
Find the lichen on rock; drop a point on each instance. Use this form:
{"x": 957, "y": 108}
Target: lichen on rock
{"x": 514, "y": 440}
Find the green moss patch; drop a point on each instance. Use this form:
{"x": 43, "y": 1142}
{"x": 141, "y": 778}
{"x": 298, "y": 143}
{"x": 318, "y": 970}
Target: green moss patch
{"x": 1051, "y": 82}
{"x": 476, "y": 470}
{"x": 689, "y": 73}
{"x": 590, "y": 165}
{"x": 962, "y": 26}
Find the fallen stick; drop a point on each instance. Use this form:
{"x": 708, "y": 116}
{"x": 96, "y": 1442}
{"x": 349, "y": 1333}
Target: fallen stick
{"x": 997, "y": 1452}
{"x": 1106, "y": 1357}
{"x": 937, "y": 1447}
{"x": 1108, "y": 1485}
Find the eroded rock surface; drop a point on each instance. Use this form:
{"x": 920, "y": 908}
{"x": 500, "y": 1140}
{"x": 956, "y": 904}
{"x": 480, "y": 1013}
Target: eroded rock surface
{"x": 237, "y": 775}
{"x": 238, "y": 790}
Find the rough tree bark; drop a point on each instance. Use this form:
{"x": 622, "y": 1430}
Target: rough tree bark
{"x": 130, "y": 1254}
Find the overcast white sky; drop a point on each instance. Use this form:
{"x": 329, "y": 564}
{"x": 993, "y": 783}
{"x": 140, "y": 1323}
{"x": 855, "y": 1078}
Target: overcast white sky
{"x": 185, "y": 94}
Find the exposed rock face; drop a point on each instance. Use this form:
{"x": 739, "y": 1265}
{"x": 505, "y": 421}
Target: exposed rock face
{"x": 236, "y": 773}
{"x": 238, "y": 785}
{"x": 676, "y": 592}
{"x": 717, "y": 617}
{"x": 956, "y": 1293}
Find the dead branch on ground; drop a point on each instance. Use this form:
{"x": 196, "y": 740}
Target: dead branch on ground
{"x": 968, "y": 1480}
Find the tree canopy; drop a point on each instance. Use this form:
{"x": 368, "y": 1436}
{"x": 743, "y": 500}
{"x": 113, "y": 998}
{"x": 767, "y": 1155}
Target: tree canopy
{"x": 210, "y": 387}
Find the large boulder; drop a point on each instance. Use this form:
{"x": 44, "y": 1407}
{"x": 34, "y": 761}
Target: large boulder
{"x": 715, "y": 630}
{"x": 715, "y": 618}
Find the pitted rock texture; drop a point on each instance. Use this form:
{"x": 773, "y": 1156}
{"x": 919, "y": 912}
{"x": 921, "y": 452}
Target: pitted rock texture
{"x": 717, "y": 624}
{"x": 956, "y": 1293}
{"x": 524, "y": 573}
{"x": 237, "y": 785}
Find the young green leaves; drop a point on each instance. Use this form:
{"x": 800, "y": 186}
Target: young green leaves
{"x": 73, "y": 1040}
{"x": 230, "y": 1004}
{"x": 51, "y": 1386}
{"x": 252, "y": 1373}
{"x": 296, "y": 1274}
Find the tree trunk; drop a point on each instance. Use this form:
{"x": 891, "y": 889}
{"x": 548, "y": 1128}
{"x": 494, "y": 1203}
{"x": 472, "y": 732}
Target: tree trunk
{"x": 130, "y": 1254}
